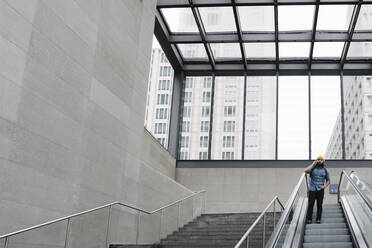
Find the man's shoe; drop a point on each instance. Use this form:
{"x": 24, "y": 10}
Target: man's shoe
{"x": 318, "y": 221}
{"x": 309, "y": 221}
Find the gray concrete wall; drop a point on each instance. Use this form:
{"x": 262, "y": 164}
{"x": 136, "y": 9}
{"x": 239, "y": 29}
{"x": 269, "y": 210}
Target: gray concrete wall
{"x": 250, "y": 189}
{"x": 73, "y": 81}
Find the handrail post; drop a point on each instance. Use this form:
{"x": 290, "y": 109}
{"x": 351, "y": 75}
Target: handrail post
{"x": 108, "y": 227}
{"x": 6, "y": 242}
{"x": 67, "y": 233}
{"x": 160, "y": 224}
{"x": 339, "y": 186}
{"x": 247, "y": 241}
{"x": 274, "y": 213}
{"x": 264, "y": 231}
{"x": 138, "y": 227}
{"x": 204, "y": 201}
{"x": 178, "y": 216}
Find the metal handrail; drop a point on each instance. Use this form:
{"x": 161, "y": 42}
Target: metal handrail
{"x": 244, "y": 237}
{"x": 287, "y": 211}
{"x": 356, "y": 188}
{"x": 98, "y": 208}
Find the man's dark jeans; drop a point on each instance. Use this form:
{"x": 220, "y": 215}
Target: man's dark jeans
{"x": 318, "y": 196}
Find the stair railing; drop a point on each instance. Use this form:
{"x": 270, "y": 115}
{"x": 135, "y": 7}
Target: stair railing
{"x": 245, "y": 238}
{"x": 95, "y": 225}
{"x": 291, "y": 212}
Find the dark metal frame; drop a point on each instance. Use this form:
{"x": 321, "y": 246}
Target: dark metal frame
{"x": 275, "y": 66}
{"x": 262, "y": 66}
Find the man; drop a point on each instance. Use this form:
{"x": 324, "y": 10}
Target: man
{"x": 319, "y": 180}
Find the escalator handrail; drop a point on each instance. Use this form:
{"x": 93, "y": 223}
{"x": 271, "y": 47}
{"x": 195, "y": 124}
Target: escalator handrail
{"x": 361, "y": 179}
{"x": 356, "y": 188}
{"x": 287, "y": 210}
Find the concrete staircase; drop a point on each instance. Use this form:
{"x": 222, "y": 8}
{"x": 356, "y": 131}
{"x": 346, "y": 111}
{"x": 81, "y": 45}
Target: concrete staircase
{"x": 215, "y": 230}
{"x": 332, "y": 232}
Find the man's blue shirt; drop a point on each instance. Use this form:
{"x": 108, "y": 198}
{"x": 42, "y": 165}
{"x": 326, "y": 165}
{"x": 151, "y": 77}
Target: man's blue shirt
{"x": 317, "y": 178}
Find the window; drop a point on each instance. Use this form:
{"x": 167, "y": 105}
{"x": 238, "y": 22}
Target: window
{"x": 164, "y": 85}
{"x": 227, "y": 155}
{"x": 207, "y": 82}
{"x": 203, "y": 141}
{"x": 252, "y": 111}
{"x": 162, "y": 99}
{"x": 228, "y": 141}
{"x": 204, "y": 126}
{"x": 185, "y": 141}
{"x": 251, "y": 126}
{"x": 230, "y": 96}
{"x": 252, "y": 96}
{"x": 203, "y": 155}
{"x": 188, "y": 97}
{"x": 161, "y": 113}
{"x": 229, "y": 126}
{"x": 163, "y": 58}
{"x": 165, "y": 71}
{"x": 188, "y": 83}
{"x": 205, "y": 111}
{"x": 369, "y": 100}
{"x": 184, "y": 155}
{"x": 229, "y": 111}
{"x": 251, "y": 142}
{"x": 206, "y": 96}
{"x": 160, "y": 128}
{"x": 187, "y": 111}
{"x": 186, "y": 126}
{"x": 161, "y": 141}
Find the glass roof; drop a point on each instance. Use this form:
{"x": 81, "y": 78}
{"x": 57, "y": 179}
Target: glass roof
{"x": 226, "y": 50}
{"x": 192, "y": 25}
{"x": 328, "y": 49}
{"x": 297, "y": 17}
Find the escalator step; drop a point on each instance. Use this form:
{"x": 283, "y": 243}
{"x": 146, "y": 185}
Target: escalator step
{"x": 328, "y": 245}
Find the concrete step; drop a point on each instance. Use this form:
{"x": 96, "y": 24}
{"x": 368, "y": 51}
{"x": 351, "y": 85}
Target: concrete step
{"x": 335, "y": 231}
{"x": 329, "y": 245}
{"x": 326, "y": 238}
{"x": 326, "y": 226}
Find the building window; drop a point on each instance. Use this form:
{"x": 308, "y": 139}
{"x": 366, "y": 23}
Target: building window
{"x": 188, "y": 97}
{"x": 205, "y": 111}
{"x": 252, "y": 111}
{"x": 251, "y": 142}
{"x": 161, "y": 141}
{"x": 229, "y": 111}
{"x": 163, "y": 99}
{"x": 369, "y": 98}
{"x": 185, "y": 141}
{"x": 185, "y": 126}
{"x": 228, "y": 141}
{"x": 203, "y": 141}
{"x": 163, "y": 58}
{"x": 230, "y": 96}
{"x": 164, "y": 85}
{"x": 203, "y": 155}
{"x": 184, "y": 155}
{"x": 165, "y": 71}
{"x": 186, "y": 111}
{"x": 251, "y": 126}
{"x": 204, "y": 126}
{"x": 188, "y": 83}
{"x": 229, "y": 126}
{"x": 161, "y": 113}
{"x": 227, "y": 155}
{"x": 252, "y": 96}
{"x": 207, "y": 82}
{"x": 160, "y": 128}
{"x": 207, "y": 96}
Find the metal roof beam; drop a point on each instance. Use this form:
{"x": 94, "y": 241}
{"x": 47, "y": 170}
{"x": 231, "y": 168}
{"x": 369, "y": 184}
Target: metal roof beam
{"x": 313, "y": 35}
{"x": 239, "y": 31}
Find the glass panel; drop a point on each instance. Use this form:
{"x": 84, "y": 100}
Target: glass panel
{"x": 257, "y": 18}
{"x": 218, "y": 19}
{"x": 294, "y": 49}
{"x": 334, "y": 17}
{"x": 293, "y": 140}
{"x": 365, "y": 18}
{"x": 159, "y": 95}
{"x": 360, "y": 50}
{"x": 180, "y": 19}
{"x": 328, "y": 49}
{"x": 358, "y": 123}
{"x": 226, "y": 50}
{"x": 123, "y": 225}
{"x": 325, "y": 117}
{"x": 195, "y": 125}
{"x": 53, "y": 236}
{"x": 260, "y": 118}
{"x": 228, "y": 118}
{"x": 260, "y": 50}
{"x": 190, "y": 51}
{"x": 295, "y": 17}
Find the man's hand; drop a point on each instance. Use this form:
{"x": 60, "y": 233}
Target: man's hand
{"x": 310, "y": 167}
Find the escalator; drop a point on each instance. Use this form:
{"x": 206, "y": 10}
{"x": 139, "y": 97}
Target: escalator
{"x": 345, "y": 224}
